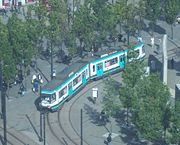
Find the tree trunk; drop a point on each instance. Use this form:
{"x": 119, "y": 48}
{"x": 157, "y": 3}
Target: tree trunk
{"x": 120, "y": 28}
{"x": 128, "y": 38}
{"x": 52, "y": 67}
{"x": 127, "y": 116}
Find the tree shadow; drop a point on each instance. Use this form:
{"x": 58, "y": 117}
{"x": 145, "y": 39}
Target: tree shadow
{"x": 158, "y": 29}
{"x": 155, "y": 65}
{"x": 95, "y": 116}
{"x": 90, "y": 99}
{"x": 177, "y": 66}
{"x": 128, "y": 132}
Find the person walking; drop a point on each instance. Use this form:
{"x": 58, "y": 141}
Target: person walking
{"x": 172, "y": 63}
{"x": 109, "y": 139}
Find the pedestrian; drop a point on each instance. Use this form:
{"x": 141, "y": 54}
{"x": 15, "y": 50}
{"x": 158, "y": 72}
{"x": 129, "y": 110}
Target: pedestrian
{"x": 152, "y": 42}
{"x": 40, "y": 78}
{"x": 94, "y": 94}
{"x": 33, "y": 78}
{"x": 36, "y": 85}
{"x": 102, "y": 116}
{"x": 109, "y": 139}
{"x": 140, "y": 39}
{"x": 54, "y": 73}
{"x": 172, "y": 63}
{"x": 22, "y": 89}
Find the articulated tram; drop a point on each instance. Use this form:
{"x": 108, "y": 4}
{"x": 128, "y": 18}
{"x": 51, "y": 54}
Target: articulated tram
{"x": 73, "y": 78}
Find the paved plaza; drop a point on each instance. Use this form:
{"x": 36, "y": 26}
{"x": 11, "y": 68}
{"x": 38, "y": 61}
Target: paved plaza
{"x": 22, "y": 114}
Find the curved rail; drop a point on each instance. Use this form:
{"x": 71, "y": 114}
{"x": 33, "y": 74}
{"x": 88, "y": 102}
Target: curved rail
{"x": 67, "y": 139}
{"x": 53, "y": 132}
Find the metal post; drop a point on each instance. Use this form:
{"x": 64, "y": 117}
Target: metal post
{"x": 4, "y": 116}
{"x": 81, "y": 127}
{"x": 44, "y": 121}
{"x": 3, "y": 97}
{"x": 41, "y": 115}
{"x": 165, "y": 59}
{"x": 1, "y": 85}
{"x": 51, "y": 61}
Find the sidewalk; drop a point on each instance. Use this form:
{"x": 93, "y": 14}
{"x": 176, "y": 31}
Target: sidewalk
{"x": 20, "y": 106}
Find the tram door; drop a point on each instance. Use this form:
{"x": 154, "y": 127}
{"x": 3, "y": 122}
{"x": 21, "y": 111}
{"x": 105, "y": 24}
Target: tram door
{"x": 84, "y": 77}
{"x": 99, "y": 69}
{"x": 70, "y": 90}
{"x": 122, "y": 61}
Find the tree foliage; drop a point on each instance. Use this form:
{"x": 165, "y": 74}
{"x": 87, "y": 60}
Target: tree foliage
{"x": 111, "y": 102}
{"x": 175, "y": 127}
{"x": 150, "y": 107}
{"x": 171, "y": 10}
{"x": 131, "y": 75}
{"x": 153, "y": 10}
{"x": 9, "y": 68}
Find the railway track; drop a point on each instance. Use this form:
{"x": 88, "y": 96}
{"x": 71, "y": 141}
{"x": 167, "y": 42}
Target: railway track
{"x": 60, "y": 124}
{"x": 16, "y": 138}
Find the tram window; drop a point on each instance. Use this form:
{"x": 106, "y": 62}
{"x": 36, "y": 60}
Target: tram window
{"x": 77, "y": 80}
{"x": 122, "y": 59}
{"x": 46, "y": 97}
{"x": 99, "y": 66}
{"x": 70, "y": 85}
{"x": 93, "y": 68}
{"x": 53, "y": 98}
{"x": 111, "y": 62}
{"x": 143, "y": 49}
{"x": 63, "y": 91}
{"x": 84, "y": 74}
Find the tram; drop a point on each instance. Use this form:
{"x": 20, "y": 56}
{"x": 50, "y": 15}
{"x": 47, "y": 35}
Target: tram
{"x": 73, "y": 78}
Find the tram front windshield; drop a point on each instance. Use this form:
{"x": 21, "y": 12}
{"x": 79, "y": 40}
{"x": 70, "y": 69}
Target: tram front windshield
{"x": 48, "y": 98}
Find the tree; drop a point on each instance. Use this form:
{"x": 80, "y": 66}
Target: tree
{"x": 111, "y": 102}
{"x": 83, "y": 27}
{"x": 153, "y": 9}
{"x": 131, "y": 75}
{"x": 171, "y": 10}
{"x": 120, "y": 7}
{"x": 140, "y": 14}
{"x": 151, "y": 107}
{"x": 9, "y": 67}
{"x": 175, "y": 127}
{"x": 105, "y": 20}
{"x": 130, "y": 24}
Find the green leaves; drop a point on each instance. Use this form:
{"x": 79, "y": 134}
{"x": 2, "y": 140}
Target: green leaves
{"x": 171, "y": 9}
{"x": 111, "y": 102}
{"x": 151, "y": 108}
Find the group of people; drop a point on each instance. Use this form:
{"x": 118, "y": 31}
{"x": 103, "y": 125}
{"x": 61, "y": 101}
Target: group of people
{"x": 36, "y": 80}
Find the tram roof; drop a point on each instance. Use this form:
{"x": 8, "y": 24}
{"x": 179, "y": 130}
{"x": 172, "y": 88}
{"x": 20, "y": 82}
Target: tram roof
{"x": 62, "y": 76}
{"x": 74, "y": 67}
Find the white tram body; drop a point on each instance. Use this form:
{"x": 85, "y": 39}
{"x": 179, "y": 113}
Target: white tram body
{"x": 73, "y": 78}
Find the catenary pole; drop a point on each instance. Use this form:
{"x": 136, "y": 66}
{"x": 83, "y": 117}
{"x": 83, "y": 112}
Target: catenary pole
{"x": 81, "y": 127}
{"x": 165, "y": 59}
{"x": 1, "y": 84}
{"x": 44, "y": 121}
{"x": 3, "y": 103}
